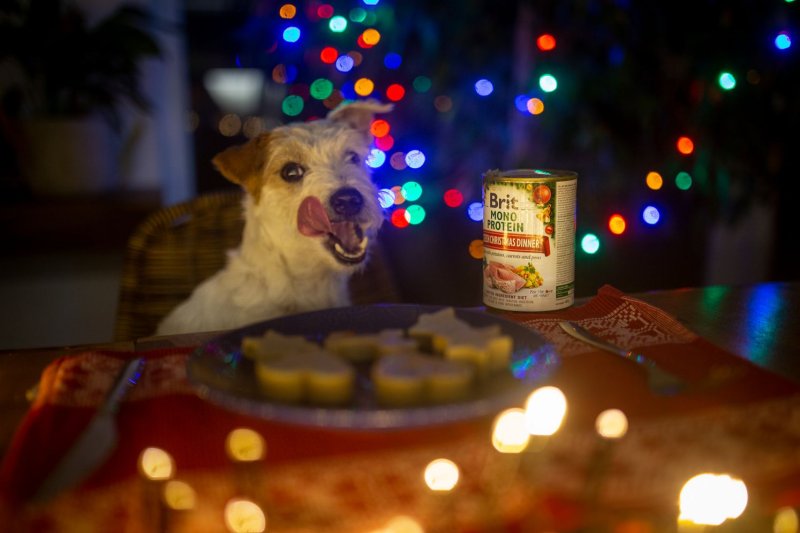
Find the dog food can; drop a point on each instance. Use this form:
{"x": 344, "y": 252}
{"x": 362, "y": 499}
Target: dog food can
{"x": 529, "y": 239}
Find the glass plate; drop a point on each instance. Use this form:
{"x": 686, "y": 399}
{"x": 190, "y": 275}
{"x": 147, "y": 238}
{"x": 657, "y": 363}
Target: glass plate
{"x": 224, "y": 376}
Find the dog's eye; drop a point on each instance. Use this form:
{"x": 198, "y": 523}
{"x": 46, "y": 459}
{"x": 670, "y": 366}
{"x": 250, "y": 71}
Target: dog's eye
{"x": 292, "y": 172}
{"x": 353, "y": 158}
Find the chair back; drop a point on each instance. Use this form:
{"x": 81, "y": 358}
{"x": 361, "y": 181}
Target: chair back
{"x": 175, "y": 248}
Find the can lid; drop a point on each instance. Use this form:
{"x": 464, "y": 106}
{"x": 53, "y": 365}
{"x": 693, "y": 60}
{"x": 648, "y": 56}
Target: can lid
{"x": 532, "y": 173}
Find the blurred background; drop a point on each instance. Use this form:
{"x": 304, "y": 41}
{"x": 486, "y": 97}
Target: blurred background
{"x": 677, "y": 117}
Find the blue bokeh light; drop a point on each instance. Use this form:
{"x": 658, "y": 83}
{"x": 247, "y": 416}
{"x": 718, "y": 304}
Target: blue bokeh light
{"x": 783, "y": 41}
{"x": 291, "y": 34}
{"x": 392, "y": 60}
{"x": 376, "y": 158}
{"x": 386, "y": 198}
{"x": 651, "y": 215}
{"x": 344, "y": 63}
{"x": 475, "y": 211}
{"x": 415, "y": 159}
{"x": 484, "y": 87}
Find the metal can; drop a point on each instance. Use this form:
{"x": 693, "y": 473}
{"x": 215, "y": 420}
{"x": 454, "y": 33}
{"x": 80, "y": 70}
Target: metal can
{"x": 529, "y": 239}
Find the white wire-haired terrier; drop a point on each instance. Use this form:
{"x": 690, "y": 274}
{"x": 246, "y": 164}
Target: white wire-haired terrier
{"x": 311, "y": 211}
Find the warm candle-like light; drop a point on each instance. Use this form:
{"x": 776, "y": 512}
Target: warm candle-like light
{"x": 510, "y": 434}
{"x": 244, "y": 516}
{"x": 179, "y": 495}
{"x": 611, "y": 424}
{"x": 441, "y": 475}
{"x": 245, "y": 445}
{"x": 710, "y": 499}
{"x": 545, "y": 410}
{"x": 786, "y": 521}
{"x": 402, "y": 524}
{"x": 156, "y": 464}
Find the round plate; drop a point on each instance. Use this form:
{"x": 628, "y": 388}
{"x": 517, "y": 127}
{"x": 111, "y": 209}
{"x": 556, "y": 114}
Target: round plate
{"x": 224, "y": 376}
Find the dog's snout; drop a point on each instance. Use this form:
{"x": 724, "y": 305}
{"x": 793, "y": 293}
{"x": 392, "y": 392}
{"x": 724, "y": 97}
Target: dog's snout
{"x": 347, "y": 202}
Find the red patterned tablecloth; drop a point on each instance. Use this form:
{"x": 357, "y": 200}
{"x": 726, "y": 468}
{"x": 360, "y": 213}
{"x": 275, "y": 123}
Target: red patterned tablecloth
{"x": 329, "y": 480}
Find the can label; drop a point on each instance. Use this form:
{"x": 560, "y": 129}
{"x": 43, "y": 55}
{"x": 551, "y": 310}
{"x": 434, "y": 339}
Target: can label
{"x": 529, "y": 239}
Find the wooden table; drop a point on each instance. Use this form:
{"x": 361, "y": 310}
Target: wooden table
{"x": 759, "y": 322}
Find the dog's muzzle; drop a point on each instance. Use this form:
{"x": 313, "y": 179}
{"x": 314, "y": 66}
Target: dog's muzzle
{"x": 345, "y": 236}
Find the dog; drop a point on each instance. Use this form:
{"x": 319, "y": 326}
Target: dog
{"x": 311, "y": 213}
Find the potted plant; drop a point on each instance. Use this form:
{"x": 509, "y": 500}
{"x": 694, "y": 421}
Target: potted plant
{"x": 72, "y": 80}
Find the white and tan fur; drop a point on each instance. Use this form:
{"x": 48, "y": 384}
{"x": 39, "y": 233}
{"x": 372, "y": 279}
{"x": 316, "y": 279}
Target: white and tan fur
{"x": 287, "y": 262}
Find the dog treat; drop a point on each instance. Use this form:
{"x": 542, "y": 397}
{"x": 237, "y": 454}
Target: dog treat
{"x": 436, "y": 360}
{"x": 409, "y": 379}
{"x": 318, "y": 377}
{"x": 365, "y": 347}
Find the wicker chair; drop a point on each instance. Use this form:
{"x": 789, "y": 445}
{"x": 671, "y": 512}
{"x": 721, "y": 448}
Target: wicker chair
{"x": 177, "y": 247}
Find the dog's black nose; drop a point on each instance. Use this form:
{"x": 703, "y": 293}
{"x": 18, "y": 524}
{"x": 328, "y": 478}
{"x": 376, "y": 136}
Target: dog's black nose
{"x": 347, "y": 202}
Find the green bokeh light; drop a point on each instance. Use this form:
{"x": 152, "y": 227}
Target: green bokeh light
{"x": 292, "y": 105}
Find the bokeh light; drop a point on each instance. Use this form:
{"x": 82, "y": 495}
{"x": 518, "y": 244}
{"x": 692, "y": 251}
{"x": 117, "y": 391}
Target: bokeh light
{"x": 685, "y": 145}
{"x": 344, "y": 63}
{"x": 412, "y": 191}
{"x": 422, "y": 84}
{"x": 546, "y": 42}
{"x": 651, "y": 215}
{"x": 475, "y": 211}
{"x": 321, "y": 88}
{"x": 727, "y": 81}
{"x": 590, "y": 244}
{"x": 443, "y": 103}
{"x": 453, "y": 198}
{"x": 654, "y": 180}
{"x": 395, "y": 92}
{"x": 386, "y": 198}
{"x": 783, "y": 41}
{"x": 328, "y": 55}
{"x": 371, "y": 36}
{"x": 484, "y": 87}
{"x": 611, "y": 424}
{"x": 509, "y": 432}
{"x": 292, "y": 105}
{"x": 683, "y": 181}
{"x": 545, "y": 410}
{"x": 287, "y": 11}
{"x": 325, "y": 11}
{"x": 358, "y": 14}
{"x": 358, "y": 57}
{"x": 291, "y": 34}
{"x": 415, "y": 214}
{"x": 521, "y": 103}
{"x": 398, "y": 161}
{"x": 385, "y": 143}
{"x": 617, "y": 224}
{"x": 415, "y": 158}
{"x": 364, "y": 86}
{"x": 399, "y": 219}
{"x": 476, "y": 249}
{"x": 399, "y": 198}
{"x": 710, "y": 499}
{"x": 379, "y": 128}
{"x": 244, "y": 516}
{"x": 441, "y": 475}
{"x": 371, "y": 2}
{"x": 786, "y": 521}
{"x": 337, "y": 24}
{"x": 392, "y": 60}
{"x": 376, "y": 158}
{"x": 284, "y": 73}
{"x": 548, "y": 83}
{"x": 534, "y": 106}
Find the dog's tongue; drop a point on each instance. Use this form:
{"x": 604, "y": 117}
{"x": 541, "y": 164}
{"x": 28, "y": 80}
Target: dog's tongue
{"x": 312, "y": 220}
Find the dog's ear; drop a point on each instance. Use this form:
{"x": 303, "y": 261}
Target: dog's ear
{"x": 244, "y": 164}
{"x": 359, "y": 114}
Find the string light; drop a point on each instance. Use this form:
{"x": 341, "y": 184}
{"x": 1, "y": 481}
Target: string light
{"x": 344, "y": 63}
{"x": 395, "y": 92}
{"x": 398, "y": 161}
{"x": 385, "y": 143}
{"x": 546, "y": 42}
{"x": 337, "y": 24}
{"x": 534, "y": 106}
{"x": 617, "y": 224}
{"x": 783, "y": 41}
{"x": 321, "y": 88}
{"x": 399, "y": 219}
{"x": 386, "y": 198}
{"x": 590, "y": 244}
{"x": 364, "y": 86}
{"x": 371, "y": 36}
{"x": 291, "y": 34}
{"x": 727, "y": 81}
{"x": 415, "y": 158}
{"x": 443, "y": 103}
{"x": 376, "y": 158}
{"x": 685, "y": 145}
{"x": 422, "y": 84}
{"x": 475, "y": 211}
{"x": 287, "y": 11}
{"x": 654, "y": 180}
{"x": 412, "y": 191}
{"x": 358, "y": 14}
{"x": 379, "y": 128}
{"x": 292, "y": 105}
{"x": 328, "y": 55}
{"x": 548, "y": 83}
{"x": 651, "y": 215}
{"x": 484, "y": 87}
{"x": 683, "y": 181}
{"x": 415, "y": 214}
{"x": 325, "y": 11}
{"x": 453, "y": 198}
{"x": 392, "y": 60}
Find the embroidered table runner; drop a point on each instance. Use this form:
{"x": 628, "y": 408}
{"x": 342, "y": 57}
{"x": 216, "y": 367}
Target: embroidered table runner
{"x": 330, "y": 480}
